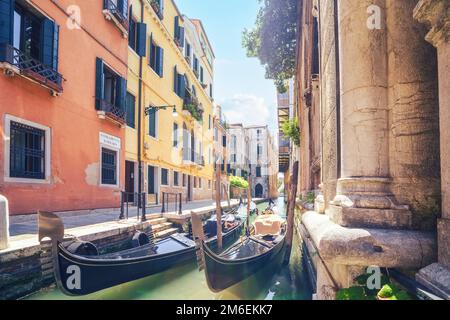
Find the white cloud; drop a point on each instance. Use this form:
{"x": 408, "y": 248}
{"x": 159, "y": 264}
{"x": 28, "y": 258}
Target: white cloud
{"x": 247, "y": 109}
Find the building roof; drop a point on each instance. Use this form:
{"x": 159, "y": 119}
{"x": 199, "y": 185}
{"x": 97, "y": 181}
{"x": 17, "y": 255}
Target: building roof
{"x": 199, "y": 25}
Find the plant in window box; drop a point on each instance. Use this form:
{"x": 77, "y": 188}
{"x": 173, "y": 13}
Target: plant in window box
{"x": 156, "y": 7}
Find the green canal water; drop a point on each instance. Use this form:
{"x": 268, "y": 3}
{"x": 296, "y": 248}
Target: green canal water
{"x": 185, "y": 282}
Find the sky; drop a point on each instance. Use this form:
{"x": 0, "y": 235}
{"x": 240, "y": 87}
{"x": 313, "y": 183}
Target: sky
{"x": 240, "y": 86}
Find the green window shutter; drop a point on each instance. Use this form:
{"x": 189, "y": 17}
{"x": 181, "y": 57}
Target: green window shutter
{"x": 141, "y": 29}
{"x": 161, "y": 62}
{"x": 48, "y": 34}
{"x": 99, "y": 83}
{"x": 6, "y": 21}
{"x": 121, "y": 93}
{"x": 175, "y": 80}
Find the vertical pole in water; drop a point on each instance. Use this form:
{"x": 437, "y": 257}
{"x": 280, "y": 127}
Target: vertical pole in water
{"x": 292, "y": 194}
{"x": 218, "y": 207}
{"x": 4, "y": 223}
{"x": 249, "y": 201}
{"x": 227, "y": 195}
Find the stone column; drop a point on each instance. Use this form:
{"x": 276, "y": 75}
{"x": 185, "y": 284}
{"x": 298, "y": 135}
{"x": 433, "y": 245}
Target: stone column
{"x": 363, "y": 198}
{"x": 4, "y": 223}
{"x": 436, "y": 15}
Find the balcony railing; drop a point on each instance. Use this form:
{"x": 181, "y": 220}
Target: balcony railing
{"x": 31, "y": 68}
{"x": 193, "y": 158}
{"x": 192, "y": 105}
{"x": 157, "y": 8}
{"x": 112, "y": 11}
{"x": 112, "y": 112}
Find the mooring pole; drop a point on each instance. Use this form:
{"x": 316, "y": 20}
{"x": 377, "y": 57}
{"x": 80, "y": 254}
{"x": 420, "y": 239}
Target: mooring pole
{"x": 292, "y": 194}
{"x": 218, "y": 206}
{"x": 249, "y": 201}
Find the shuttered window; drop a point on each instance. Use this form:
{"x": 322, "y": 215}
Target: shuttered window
{"x": 27, "y": 151}
{"x": 156, "y": 58}
{"x": 164, "y": 177}
{"x": 110, "y": 89}
{"x": 152, "y": 122}
{"x": 131, "y": 110}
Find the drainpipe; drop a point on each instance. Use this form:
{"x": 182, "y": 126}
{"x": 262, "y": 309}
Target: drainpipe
{"x": 338, "y": 88}
{"x": 140, "y": 174}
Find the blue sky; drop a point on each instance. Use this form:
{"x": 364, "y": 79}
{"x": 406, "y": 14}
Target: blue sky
{"x": 240, "y": 86}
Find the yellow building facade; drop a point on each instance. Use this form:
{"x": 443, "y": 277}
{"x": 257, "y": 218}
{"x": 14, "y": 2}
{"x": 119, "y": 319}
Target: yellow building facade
{"x": 169, "y": 134}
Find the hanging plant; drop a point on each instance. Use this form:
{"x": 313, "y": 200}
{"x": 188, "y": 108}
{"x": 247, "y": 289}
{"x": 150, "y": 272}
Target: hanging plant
{"x": 292, "y": 131}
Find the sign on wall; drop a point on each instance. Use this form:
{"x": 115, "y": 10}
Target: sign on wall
{"x": 109, "y": 140}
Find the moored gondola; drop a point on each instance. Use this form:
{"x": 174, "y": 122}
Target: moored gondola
{"x": 246, "y": 257}
{"x": 80, "y": 270}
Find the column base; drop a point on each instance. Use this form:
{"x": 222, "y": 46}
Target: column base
{"x": 367, "y": 202}
{"x": 436, "y": 277}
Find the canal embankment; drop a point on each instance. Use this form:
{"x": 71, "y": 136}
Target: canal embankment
{"x": 26, "y": 265}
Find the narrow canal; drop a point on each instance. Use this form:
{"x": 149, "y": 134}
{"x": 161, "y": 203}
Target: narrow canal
{"x": 274, "y": 282}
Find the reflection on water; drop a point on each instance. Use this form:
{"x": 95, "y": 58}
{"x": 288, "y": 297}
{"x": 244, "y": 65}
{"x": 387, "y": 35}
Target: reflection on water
{"x": 185, "y": 282}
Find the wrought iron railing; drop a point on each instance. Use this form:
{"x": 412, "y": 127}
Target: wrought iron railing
{"x": 30, "y": 67}
{"x": 192, "y": 105}
{"x": 113, "y": 112}
{"x": 116, "y": 12}
{"x": 155, "y": 4}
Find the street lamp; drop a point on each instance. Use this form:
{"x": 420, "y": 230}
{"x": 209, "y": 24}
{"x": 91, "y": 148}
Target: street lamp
{"x": 155, "y": 108}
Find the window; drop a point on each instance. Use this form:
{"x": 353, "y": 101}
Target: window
{"x": 152, "y": 123}
{"x": 175, "y": 179}
{"x": 137, "y": 34}
{"x": 156, "y": 58}
{"x": 164, "y": 177}
{"x": 184, "y": 180}
{"x": 132, "y": 40}
{"x": 179, "y": 83}
{"x": 27, "y": 151}
{"x": 201, "y": 74}
{"x": 158, "y": 7}
{"x": 109, "y": 167}
{"x": 110, "y": 90}
{"x": 188, "y": 52}
{"x": 200, "y": 183}
{"x": 258, "y": 172}
{"x": 209, "y": 121}
{"x": 195, "y": 182}
{"x": 178, "y": 33}
{"x": 233, "y": 158}
{"x": 224, "y": 141}
{"x": 259, "y": 150}
{"x": 211, "y": 90}
{"x": 195, "y": 65}
{"x": 131, "y": 107}
{"x": 175, "y": 135}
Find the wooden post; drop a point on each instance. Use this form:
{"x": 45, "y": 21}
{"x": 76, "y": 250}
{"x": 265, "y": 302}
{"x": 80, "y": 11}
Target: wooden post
{"x": 218, "y": 207}
{"x": 292, "y": 194}
{"x": 4, "y": 223}
{"x": 249, "y": 201}
{"x": 227, "y": 195}
{"x": 199, "y": 237}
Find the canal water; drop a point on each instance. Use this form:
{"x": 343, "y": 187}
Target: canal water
{"x": 185, "y": 282}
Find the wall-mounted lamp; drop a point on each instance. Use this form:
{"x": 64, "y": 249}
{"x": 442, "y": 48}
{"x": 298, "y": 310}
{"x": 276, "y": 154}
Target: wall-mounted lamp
{"x": 155, "y": 108}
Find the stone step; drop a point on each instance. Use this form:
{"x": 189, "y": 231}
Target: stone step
{"x": 161, "y": 227}
{"x": 156, "y": 221}
{"x": 165, "y": 233}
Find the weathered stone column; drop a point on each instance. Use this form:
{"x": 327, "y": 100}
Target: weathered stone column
{"x": 436, "y": 14}
{"x": 414, "y": 115}
{"x": 363, "y": 198}
{"x": 4, "y": 222}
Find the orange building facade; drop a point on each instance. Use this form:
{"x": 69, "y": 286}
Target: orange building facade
{"x": 63, "y": 70}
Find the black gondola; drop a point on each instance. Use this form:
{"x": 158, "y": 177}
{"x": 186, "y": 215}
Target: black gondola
{"x": 79, "y": 270}
{"x": 241, "y": 260}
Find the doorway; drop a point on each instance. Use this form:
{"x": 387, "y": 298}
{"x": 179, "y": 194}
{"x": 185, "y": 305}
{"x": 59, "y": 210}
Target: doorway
{"x": 129, "y": 181}
{"x": 259, "y": 191}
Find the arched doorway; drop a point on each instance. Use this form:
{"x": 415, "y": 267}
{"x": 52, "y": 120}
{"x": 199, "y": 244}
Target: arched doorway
{"x": 259, "y": 190}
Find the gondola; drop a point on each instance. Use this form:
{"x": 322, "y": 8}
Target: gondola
{"x": 80, "y": 270}
{"x": 247, "y": 256}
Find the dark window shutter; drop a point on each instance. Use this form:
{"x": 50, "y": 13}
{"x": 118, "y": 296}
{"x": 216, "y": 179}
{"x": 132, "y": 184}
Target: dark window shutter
{"x": 177, "y": 28}
{"x": 141, "y": 38}
{"x": 55, "y": 47}
{"x": 175, "y": 80}
{"x": 48, "y": 34}
{"x": 123, "y": 7}
{"x": 6, "y": 21}
{"x": 121, "y": 93}
{"x": 150, "y": 47}
{"x": 161, "y": 5}
{"x": 161, "y": 62}
{"x": 99, "y": 84}
{"x": 181, "y": 36}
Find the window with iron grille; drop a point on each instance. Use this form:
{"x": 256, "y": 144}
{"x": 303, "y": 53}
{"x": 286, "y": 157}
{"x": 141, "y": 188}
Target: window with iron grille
{"x": 109, "y": 167}
{"x": 27, "y": 152}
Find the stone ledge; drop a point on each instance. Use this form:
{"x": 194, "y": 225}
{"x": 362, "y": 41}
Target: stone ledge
{"x": 365, "y": 246}
{"x": 436, "y": 277}
{"x": 371, "y": 218}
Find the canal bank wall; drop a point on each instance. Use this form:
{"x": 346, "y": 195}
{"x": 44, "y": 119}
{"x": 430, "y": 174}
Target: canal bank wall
{"x": 27, "y": 265}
